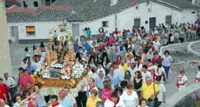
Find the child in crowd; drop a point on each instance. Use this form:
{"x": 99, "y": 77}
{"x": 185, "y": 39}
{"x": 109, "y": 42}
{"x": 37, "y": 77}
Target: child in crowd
{"x": 181, "y": 81}
{"x": 197, "y": 79}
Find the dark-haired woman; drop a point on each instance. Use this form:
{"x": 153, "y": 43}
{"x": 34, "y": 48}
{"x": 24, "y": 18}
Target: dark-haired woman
{"x": 167, "y": 62}
{"x": 92, "y": 64}
{"x": 137, "y": 81}
{"x": 105, "y": 64}
{"x": 127, "y": 76}
{"x": 98, "y": 58}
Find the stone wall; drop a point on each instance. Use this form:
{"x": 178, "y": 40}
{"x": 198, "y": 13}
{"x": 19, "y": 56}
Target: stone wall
{"x": 175, "y": 48}
{"x": 184, "y": 98}
{"x": 194, "y": 48}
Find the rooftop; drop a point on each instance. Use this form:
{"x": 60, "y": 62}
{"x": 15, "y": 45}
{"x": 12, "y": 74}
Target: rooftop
{"x": 82, "y": 10}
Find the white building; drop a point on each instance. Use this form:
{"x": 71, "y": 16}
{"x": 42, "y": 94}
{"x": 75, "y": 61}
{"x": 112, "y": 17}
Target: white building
{"x": 109, "y": 14}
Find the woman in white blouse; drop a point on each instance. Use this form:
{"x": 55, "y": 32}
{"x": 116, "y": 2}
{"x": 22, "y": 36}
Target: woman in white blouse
{"x": 130, "y": 97}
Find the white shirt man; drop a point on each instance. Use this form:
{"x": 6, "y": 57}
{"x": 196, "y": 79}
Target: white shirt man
{"x": 129, "y": 100}
{"x": 38, "y": 64}
{"x": 9, "y": 81}
{"x": 145, "y": 73}
{"x": 23, "y": 64}
{"x": 149, "y": 55}
{"x": 162, "y": 91}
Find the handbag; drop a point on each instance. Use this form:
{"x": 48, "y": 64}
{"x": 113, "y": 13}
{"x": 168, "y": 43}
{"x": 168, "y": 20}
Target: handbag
{"x": 155, "y": 97}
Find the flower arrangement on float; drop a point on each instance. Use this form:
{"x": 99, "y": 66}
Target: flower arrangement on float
{"x": 60, "y": 69}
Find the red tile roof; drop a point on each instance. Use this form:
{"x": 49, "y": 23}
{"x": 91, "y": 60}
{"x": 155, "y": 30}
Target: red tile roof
{"x": 27, "y": 10}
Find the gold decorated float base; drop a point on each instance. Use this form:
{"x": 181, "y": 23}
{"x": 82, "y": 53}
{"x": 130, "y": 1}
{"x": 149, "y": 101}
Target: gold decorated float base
{"x": 57, "y": 83}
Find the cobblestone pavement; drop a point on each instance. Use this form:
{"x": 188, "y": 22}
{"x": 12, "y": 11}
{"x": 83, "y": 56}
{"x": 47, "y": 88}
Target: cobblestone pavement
{"x": 17, "y": 54}
{"x": 196, "y": 47}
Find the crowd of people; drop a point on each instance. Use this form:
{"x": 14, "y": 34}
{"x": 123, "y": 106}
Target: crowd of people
{"x": 124, "y": 69}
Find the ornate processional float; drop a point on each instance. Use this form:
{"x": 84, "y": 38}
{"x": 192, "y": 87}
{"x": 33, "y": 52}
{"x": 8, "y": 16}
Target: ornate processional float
{"x": 60, "y": 69}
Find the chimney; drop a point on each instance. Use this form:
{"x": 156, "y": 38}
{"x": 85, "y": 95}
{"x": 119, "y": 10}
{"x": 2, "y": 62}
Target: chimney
{"x": 113, "y": 2}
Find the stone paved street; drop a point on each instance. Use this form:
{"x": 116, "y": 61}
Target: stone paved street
{"x": 17, "y": 54}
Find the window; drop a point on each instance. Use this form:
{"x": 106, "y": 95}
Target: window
{"x": 168, "y": 19}
{"x": 152, "y": 23}
{"x": 193, "y": 12}
{"x": 35, "y": 3}
{"x": 14, "y": 32}
{"x": 146, "y": 22}
{"x": 48, "y": 2}
{"x": 24, "y": 4}
{"x": 137, "y": 23}
{"x": 105, "y": 24}
{"x": 30, "y": 30}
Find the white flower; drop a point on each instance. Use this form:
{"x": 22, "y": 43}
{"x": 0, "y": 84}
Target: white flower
{"x": 77, "y": 70}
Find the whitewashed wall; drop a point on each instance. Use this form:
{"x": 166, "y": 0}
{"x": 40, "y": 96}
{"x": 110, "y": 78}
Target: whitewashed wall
{"x": 42, "y": 29}
{"x": 96, "y": 24}
{"x": 188, "y": 16}
{"x": 125, "y": 19}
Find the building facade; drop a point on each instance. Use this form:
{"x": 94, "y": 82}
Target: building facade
{"x": 147, "y": 14}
